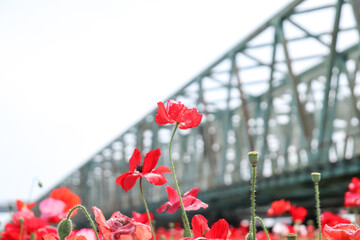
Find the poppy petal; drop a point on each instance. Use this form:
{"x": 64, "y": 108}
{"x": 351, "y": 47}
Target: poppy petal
{"x": 200, "y": 225}
{"x": 190, "y": 118}
{"x": 192, "y": 192}
{"x": 219, "y": 230}
{"x": 129, "y": 181}
{"x": 173, "y": 208}
{"x": 151, "y": 160}
{"x": 101, "y": 221}
{"x": 162, "y": 169}
{"x": 119, "y": 180}
{"x": 155, "y": 178}
{"x": 175, "y": 110}
{"x": 192, "y": 203}
{"x": 134, "y": 160}
{"x": 163, "y": 207}
{"x": 172, "y": 194}
{"x": 162, "y": 117}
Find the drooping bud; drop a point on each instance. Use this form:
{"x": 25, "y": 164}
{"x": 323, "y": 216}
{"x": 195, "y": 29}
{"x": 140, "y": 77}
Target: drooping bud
{"x": 316, "y": 177}
{"x": 64, "y": 228}
{"x": 249, "y": 236}
{"x": 253, "y": 158}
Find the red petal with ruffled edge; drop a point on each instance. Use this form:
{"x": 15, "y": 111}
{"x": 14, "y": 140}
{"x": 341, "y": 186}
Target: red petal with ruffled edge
{"x": 219, "y": 230}
{"x": 151, "y": 160}
{"x": 190, "y": 118}
{"x": 155, "y": 178}
{"x": 162, "y": 116}
{"x": 134, "y": 160}
{"x": 200, "y": 225}
{"x": 101, "y": 221}
{"x": 175, "y": 110}
{"x": 341, "y": 231}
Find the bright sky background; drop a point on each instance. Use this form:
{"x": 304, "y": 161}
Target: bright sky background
{"x": 74, "y": 74}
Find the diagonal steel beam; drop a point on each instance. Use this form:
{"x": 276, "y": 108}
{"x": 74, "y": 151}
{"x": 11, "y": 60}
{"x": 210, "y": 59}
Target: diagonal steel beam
{"x": 328, "y": 76}
{"x": 244, "y": 108}
{"x": 294, "y": 83}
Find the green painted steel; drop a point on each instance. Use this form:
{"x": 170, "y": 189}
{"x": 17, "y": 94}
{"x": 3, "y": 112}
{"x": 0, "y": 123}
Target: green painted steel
{"x": 289, "y": 90}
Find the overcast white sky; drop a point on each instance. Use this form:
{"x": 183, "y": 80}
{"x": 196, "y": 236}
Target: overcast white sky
{"x": 74, "y": 74}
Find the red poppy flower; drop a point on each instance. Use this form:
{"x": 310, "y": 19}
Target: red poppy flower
{"x": 120, "y": 226}
{"x": 354, "y": 186}
{"x": 278, "y": 208}
{"x": 20, "y": 205}
{"x": 330, "y": 219}
{"x": 298, "y": 214}
{"x": 58, "y": 205}
{"x": 352, "y": 197}
{"x": 201, "y": 229}
{"x": 342, "y": 232}
{"x": 176, "y": 112}
{"x": 142, "y": 217}
{"x": 146, "y": 170}
{"x": 191, "y": 203}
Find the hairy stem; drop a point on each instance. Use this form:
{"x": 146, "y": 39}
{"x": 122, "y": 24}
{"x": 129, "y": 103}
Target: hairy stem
{"x": 184, "y": 216}
{"x": 318, "y": 212}
{"x": 263, "y": 226}
{"x": 147, "y": 209}
{"x": 87, "y": 215}
{"x": 253, "y": 229}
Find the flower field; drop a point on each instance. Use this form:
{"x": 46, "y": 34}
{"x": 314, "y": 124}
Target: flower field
{"x": 62, "y": 204}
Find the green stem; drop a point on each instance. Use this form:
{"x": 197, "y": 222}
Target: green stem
{"x": 185, "y": 218}
{"x": 88, "y": 216}
{"x": 21, "y": 229}
{"x": 318, "y": 212}
{"x": 147, "y": 210}
{"x": 253, "y": 229}
{"x": 356, "y": 215}
{"x": 263, "y": 226}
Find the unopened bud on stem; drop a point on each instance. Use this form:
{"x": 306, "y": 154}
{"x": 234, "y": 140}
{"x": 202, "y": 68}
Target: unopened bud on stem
{"x": 316, "y": 177}
{"x": 253, "y": 158}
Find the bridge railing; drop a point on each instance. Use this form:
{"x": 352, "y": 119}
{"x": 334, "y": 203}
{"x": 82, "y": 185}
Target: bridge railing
{"x": 289, "y": 90}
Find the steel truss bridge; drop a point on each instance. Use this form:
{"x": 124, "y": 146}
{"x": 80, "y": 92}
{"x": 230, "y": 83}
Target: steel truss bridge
{"x": 290, "y": 90}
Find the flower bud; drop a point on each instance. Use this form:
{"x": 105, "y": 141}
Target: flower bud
{"x": 253, "y": 158}
{"x": 64, "y": 228}
{"x": 316, "y": 177}
{"x": 291, "y": 236}
{"x": 249, "y": 236}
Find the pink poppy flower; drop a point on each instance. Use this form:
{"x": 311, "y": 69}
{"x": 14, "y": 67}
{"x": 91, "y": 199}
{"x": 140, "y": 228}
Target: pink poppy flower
{"x": 120, "y": 226}
{"x": 176, "y": 112}
{"x": 146, "y": 170}
{"x": 58, "y": 205}
{"x": 189, "y": 199}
